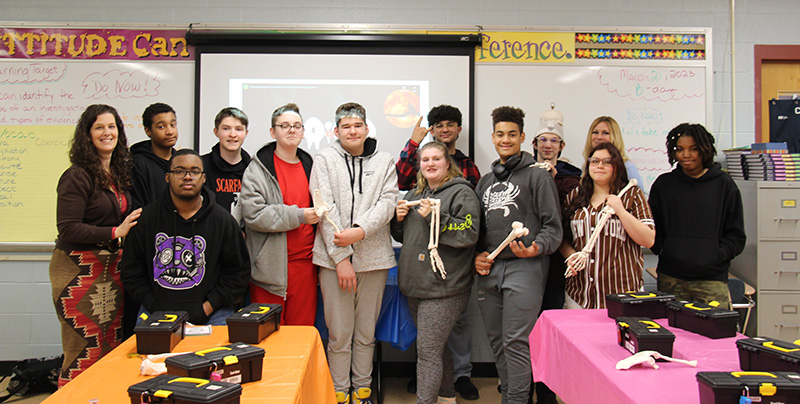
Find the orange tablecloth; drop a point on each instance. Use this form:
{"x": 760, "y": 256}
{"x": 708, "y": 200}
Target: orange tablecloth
{"x": 295, "y": 370}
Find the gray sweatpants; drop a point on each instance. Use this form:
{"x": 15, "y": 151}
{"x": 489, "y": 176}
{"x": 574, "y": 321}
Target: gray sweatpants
{"x": 351, "y": 318}
{"x": 435, "y": 319}
{"x": 510, "y": 298}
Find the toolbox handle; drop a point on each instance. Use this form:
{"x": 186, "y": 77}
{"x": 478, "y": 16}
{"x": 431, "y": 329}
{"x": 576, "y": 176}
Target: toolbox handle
{"x": 261, "y": 310}
{"x": 643, "y": 296}
{"x": 772, "y": 345}
{"x": 209, "y": 350}
{"x": 198, "y": 382}
{"x": 650, "y": 323}
{"x": 740, "y": 374}
{"x": 168, "y": 318}
{"x": 692, "y": 306}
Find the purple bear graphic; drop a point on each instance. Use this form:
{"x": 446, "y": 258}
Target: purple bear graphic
{"x": 179, "y": 262}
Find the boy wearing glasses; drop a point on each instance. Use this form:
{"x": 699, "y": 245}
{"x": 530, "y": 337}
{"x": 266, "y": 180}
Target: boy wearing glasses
{"x": 547, "y": 147}
{"x": 277, "y": 212}
{"x": 227, "y": 160}
{"x": 445, "y": 124}
{"x": 151, "y": 157}
{"x": 359, "y": 183}
{"x": 199, "y": 264}
{"x": 511, "y": 286}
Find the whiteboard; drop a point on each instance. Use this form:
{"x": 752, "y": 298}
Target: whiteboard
{"x": 647, "y": 101}
{"x": 40, "y": 103}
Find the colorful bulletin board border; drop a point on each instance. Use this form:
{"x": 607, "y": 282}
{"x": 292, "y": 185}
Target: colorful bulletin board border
{"x": 95, "y": 44}
{"x": 640, "y": 46}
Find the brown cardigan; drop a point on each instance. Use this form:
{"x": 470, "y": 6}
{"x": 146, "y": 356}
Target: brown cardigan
{"x": 86, "y": 214}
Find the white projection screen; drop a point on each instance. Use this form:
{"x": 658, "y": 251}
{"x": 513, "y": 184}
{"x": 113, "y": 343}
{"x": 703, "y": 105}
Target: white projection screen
{"x": 395, "y": 89}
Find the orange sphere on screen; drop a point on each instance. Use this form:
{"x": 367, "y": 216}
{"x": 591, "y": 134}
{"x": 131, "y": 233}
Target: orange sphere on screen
{"x": 401, "y": 108}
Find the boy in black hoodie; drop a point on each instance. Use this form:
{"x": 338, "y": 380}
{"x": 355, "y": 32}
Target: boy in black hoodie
{"x": 200, "y": 263}
{"x": 226, "y": 162}
{"x": 699, "y": 219}
{"x": 151, "y": 157}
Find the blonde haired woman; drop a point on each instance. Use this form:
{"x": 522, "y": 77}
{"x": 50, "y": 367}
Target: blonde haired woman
{"x": 605, "y": 129}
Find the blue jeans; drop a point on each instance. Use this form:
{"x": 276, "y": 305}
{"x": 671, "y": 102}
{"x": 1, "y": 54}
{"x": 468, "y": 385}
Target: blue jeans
{"x": 216, "y": 318}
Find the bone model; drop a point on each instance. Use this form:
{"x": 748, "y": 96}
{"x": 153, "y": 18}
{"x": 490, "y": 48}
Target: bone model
{"x": 648, "y": 358}
{"x": 433, "y": 241}
{"x": 517, "y": 231}
{"x": 577, "y": 261}
{"x": 321, "y": 208}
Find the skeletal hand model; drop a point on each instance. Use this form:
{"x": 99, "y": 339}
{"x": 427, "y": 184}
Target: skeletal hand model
{"x": 545, "y": 165}
{"x": 321, "y": 208}
{"x": 433, "y": 241}
{"x": 649, "y": 358}
{"x": 577, "y": 261}
{"x": 517, "y": 231}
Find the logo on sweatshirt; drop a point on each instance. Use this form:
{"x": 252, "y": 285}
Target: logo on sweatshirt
{"x": 179, "y": 262}
{"x": 500, "y": 196}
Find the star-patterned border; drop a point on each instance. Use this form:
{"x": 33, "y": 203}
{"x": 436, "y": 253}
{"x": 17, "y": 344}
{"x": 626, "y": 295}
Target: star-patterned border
{"x": 640, "y": 46}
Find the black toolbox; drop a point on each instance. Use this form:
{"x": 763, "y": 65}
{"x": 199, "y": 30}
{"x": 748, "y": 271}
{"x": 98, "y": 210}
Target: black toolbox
{"x": 234, "y": 363}
{"x": 703, "y": 319}
{"x": 169, "y": 389}
{"x": 764, "y": 353}
{"x": 761, "y": 387}
{"x": 253, "y": 323}
{"x": 160, "y": 332}
{"x": 638, "y": 334}
{"x": 638, "y": 304}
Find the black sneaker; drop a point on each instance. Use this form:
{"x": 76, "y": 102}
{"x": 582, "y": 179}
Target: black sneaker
{"x": 467, "y": 390}
{"x": 411, "y": 387}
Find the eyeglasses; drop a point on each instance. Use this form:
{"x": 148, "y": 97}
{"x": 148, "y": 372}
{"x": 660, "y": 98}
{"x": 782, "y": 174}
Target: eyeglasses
{"x": 182, "y": 173}
{"x": 449, "y": 125}
{"x": 285, "y": 127}
{"x": 597, "y": 162}
{"x": 544, "y": 140}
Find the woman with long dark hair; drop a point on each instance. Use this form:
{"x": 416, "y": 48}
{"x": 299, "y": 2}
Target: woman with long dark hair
{"x": 93, "y": 216}
{"x": 615, "y": 263}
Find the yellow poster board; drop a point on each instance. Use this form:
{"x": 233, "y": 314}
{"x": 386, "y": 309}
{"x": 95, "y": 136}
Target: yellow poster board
{"x": 32, "y": 159}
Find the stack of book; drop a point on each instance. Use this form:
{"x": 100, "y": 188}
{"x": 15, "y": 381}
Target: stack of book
{"x": 760, "y": 165}
{"x": 734, "y": 162}
{"x": 786, "y": 166}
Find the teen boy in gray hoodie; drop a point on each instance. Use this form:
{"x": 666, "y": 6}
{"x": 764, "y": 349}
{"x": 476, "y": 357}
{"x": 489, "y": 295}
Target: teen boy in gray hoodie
{"x": 511, "y": 287}
{"x": 359, "y": 183}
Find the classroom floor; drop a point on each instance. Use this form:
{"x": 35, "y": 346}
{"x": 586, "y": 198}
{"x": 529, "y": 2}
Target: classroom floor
{"x": 395, "y": 393}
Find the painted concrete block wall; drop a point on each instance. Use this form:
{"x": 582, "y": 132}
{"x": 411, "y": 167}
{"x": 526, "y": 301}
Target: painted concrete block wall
{"x": 28, "y": 323}
{"x": 29, "y": 326}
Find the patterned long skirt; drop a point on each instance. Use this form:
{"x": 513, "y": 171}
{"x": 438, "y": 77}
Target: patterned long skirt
{"x": 88, "y": 297}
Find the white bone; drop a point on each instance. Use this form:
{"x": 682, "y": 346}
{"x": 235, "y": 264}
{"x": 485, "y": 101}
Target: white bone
{"x": 517, "y": 230}
{"x": 321, "y": 208}
{"x": 648, "y": 358}
{"x": 581, "y": 258}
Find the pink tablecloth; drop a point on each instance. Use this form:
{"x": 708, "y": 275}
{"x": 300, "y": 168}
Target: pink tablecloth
{"x": 574, "y": 353}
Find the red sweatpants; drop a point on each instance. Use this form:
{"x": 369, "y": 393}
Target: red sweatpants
{"x": 300, "y": 305}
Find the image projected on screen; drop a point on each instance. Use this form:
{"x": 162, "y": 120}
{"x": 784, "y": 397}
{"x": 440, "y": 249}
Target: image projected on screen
{"x": 393, "y": 106}
{"x": 395, "y": 90}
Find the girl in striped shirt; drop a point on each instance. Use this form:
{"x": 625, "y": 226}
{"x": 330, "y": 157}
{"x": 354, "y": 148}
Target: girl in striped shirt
{"x": 615, "y": 264}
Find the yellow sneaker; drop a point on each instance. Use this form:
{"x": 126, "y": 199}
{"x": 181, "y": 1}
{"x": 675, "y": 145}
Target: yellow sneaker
{"x": 342, "y": 398}
{"x": 361, "y": 396}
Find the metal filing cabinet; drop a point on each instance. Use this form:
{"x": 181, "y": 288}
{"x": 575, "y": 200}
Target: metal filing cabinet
{"x": 771, "y": 260}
